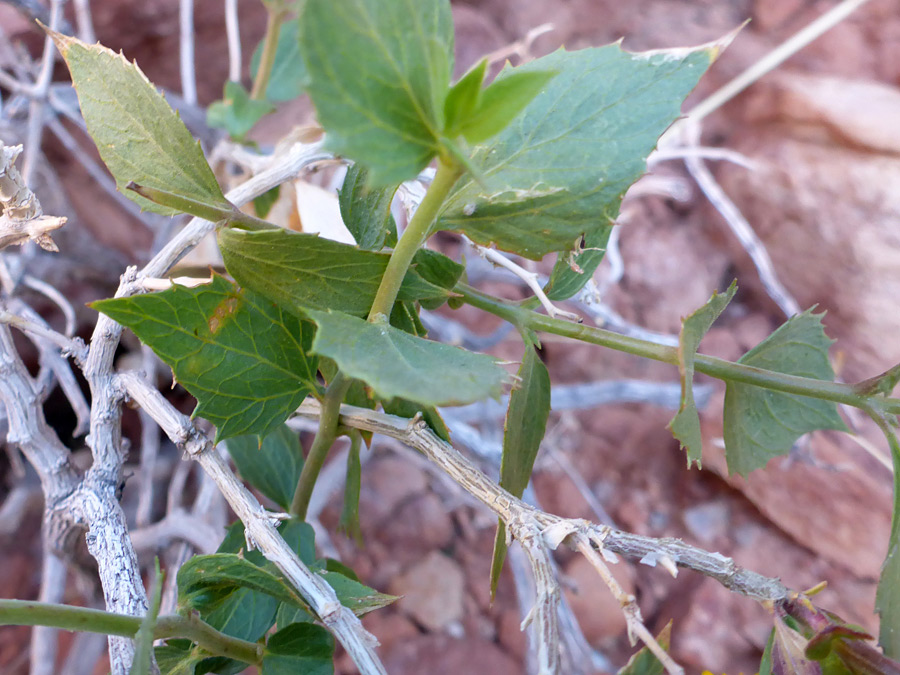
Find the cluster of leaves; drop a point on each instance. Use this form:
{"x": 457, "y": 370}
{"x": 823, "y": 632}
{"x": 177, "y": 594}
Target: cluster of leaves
{"x": 241, "y": 594}
{"x": 545, "y": 153}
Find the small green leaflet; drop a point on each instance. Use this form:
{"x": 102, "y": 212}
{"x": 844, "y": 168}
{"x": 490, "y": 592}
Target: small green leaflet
{"x": 300, "y": 271}
{"x": 761, "y": 423}
{"x": 140, "y": 138}
{"x": 463, "y": 97}
{"x": 559, "y": 170}
{"x": 501, "y": 102}
{"x": 573, "y": 269}
{"x": 366, "y": 210}
{"x": 478, "y": 114}
{"x": 685, "y": 426}
{"x": 354, "y": 595}
{"x": 438, "y": 269}
{"x": 378, "y": 76}
{"x": 526, "y": 422}
{"x": 288, "y": 71}
{"x": 395, "y": 363}
{"x": 242, "y": 357}
{"x": 272, "y": 467}
{"x": 237, "y": 113}
{"x": 644, "y": 662}
{"x": 299, "y": 648}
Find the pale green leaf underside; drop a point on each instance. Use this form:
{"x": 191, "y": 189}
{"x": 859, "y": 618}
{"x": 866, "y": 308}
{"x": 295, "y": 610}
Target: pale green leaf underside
{"x": 760, "y": 423}
{"x": 140, "y": 138}
{"x": 378, "y": 75}
{"x": 685, "y": 426}
{"x": 526, "y": 422}
{"x": 243, "y": 358}
{"x": 305, "y": 271}
{"x": 560, "y": 168}
{"x": 397, "y": 364}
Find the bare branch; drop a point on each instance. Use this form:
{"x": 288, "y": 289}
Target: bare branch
{"x": 21, "y": 216}
{"x": 177, "y": 525}
{"x": 669, "y": 553}
{"x": 233, "y": 32}
{"x": 740, "y": 228}
{"x": 186, "y": 51}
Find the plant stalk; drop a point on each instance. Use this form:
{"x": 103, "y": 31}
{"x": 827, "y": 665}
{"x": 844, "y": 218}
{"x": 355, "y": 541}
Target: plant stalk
{"x": 66, "y": 617}
{"x": 267, "y": 59}
{"x": 413, "y": 237}
{"x": 710, "y": 365}
{"x": 325, "y": 436}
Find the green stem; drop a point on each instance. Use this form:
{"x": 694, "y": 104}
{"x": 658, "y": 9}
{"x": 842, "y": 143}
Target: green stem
{"x": 66, "y": 617}
{"x": 413, "y": 237}
{"x": 328, "y": 427}
{"x": 267, "y": 59}
{"x": 710, "y": 365}
{"x": 214, "y": 213}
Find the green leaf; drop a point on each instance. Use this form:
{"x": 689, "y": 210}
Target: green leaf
{"x": 573, "y": 269}
{"x": 243, "y": 358}
{"x": 143, "y": 640}
{"x": 502, "y": 101}
{"x": 644, "y": 662}
{"x": 299, "y": 648}
{"x": 305, "y": 271}
{"x": 244, "y": 614}
{"x": 761, "y": 423}
{"x": 526, "y": 422}
{"x": 378, "y": 76}
{"x": 140, "y": 138}
{"x": 205, "y": 579}
{"x": 685, "y": 426}
{"x": 395, "y": 363}
{"x": 178, "y": 657}
{"x": 288, "y": 614}
{"x": 288, "y": 71}
{"x": 463, "y": 97}
{"x": 237, "y": 113}
{"x": 272, "y": 467}
{"x": 356, "y": 596}
{"x": 559, "y": 171}
{"x": 887, "y": 600}
{"x": 438, "y": 269}
{"x": 366, "y": 210}
{"x": 405, "y": 316}
{"x": 264, "y": 203}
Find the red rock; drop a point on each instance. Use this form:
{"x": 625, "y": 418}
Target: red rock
{"x": 432, "y": 590}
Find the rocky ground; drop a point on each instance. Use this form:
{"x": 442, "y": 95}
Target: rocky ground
{"x": 823, "y": 196}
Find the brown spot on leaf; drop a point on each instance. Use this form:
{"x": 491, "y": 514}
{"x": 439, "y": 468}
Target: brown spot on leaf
{"x": 223, "y": 311}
